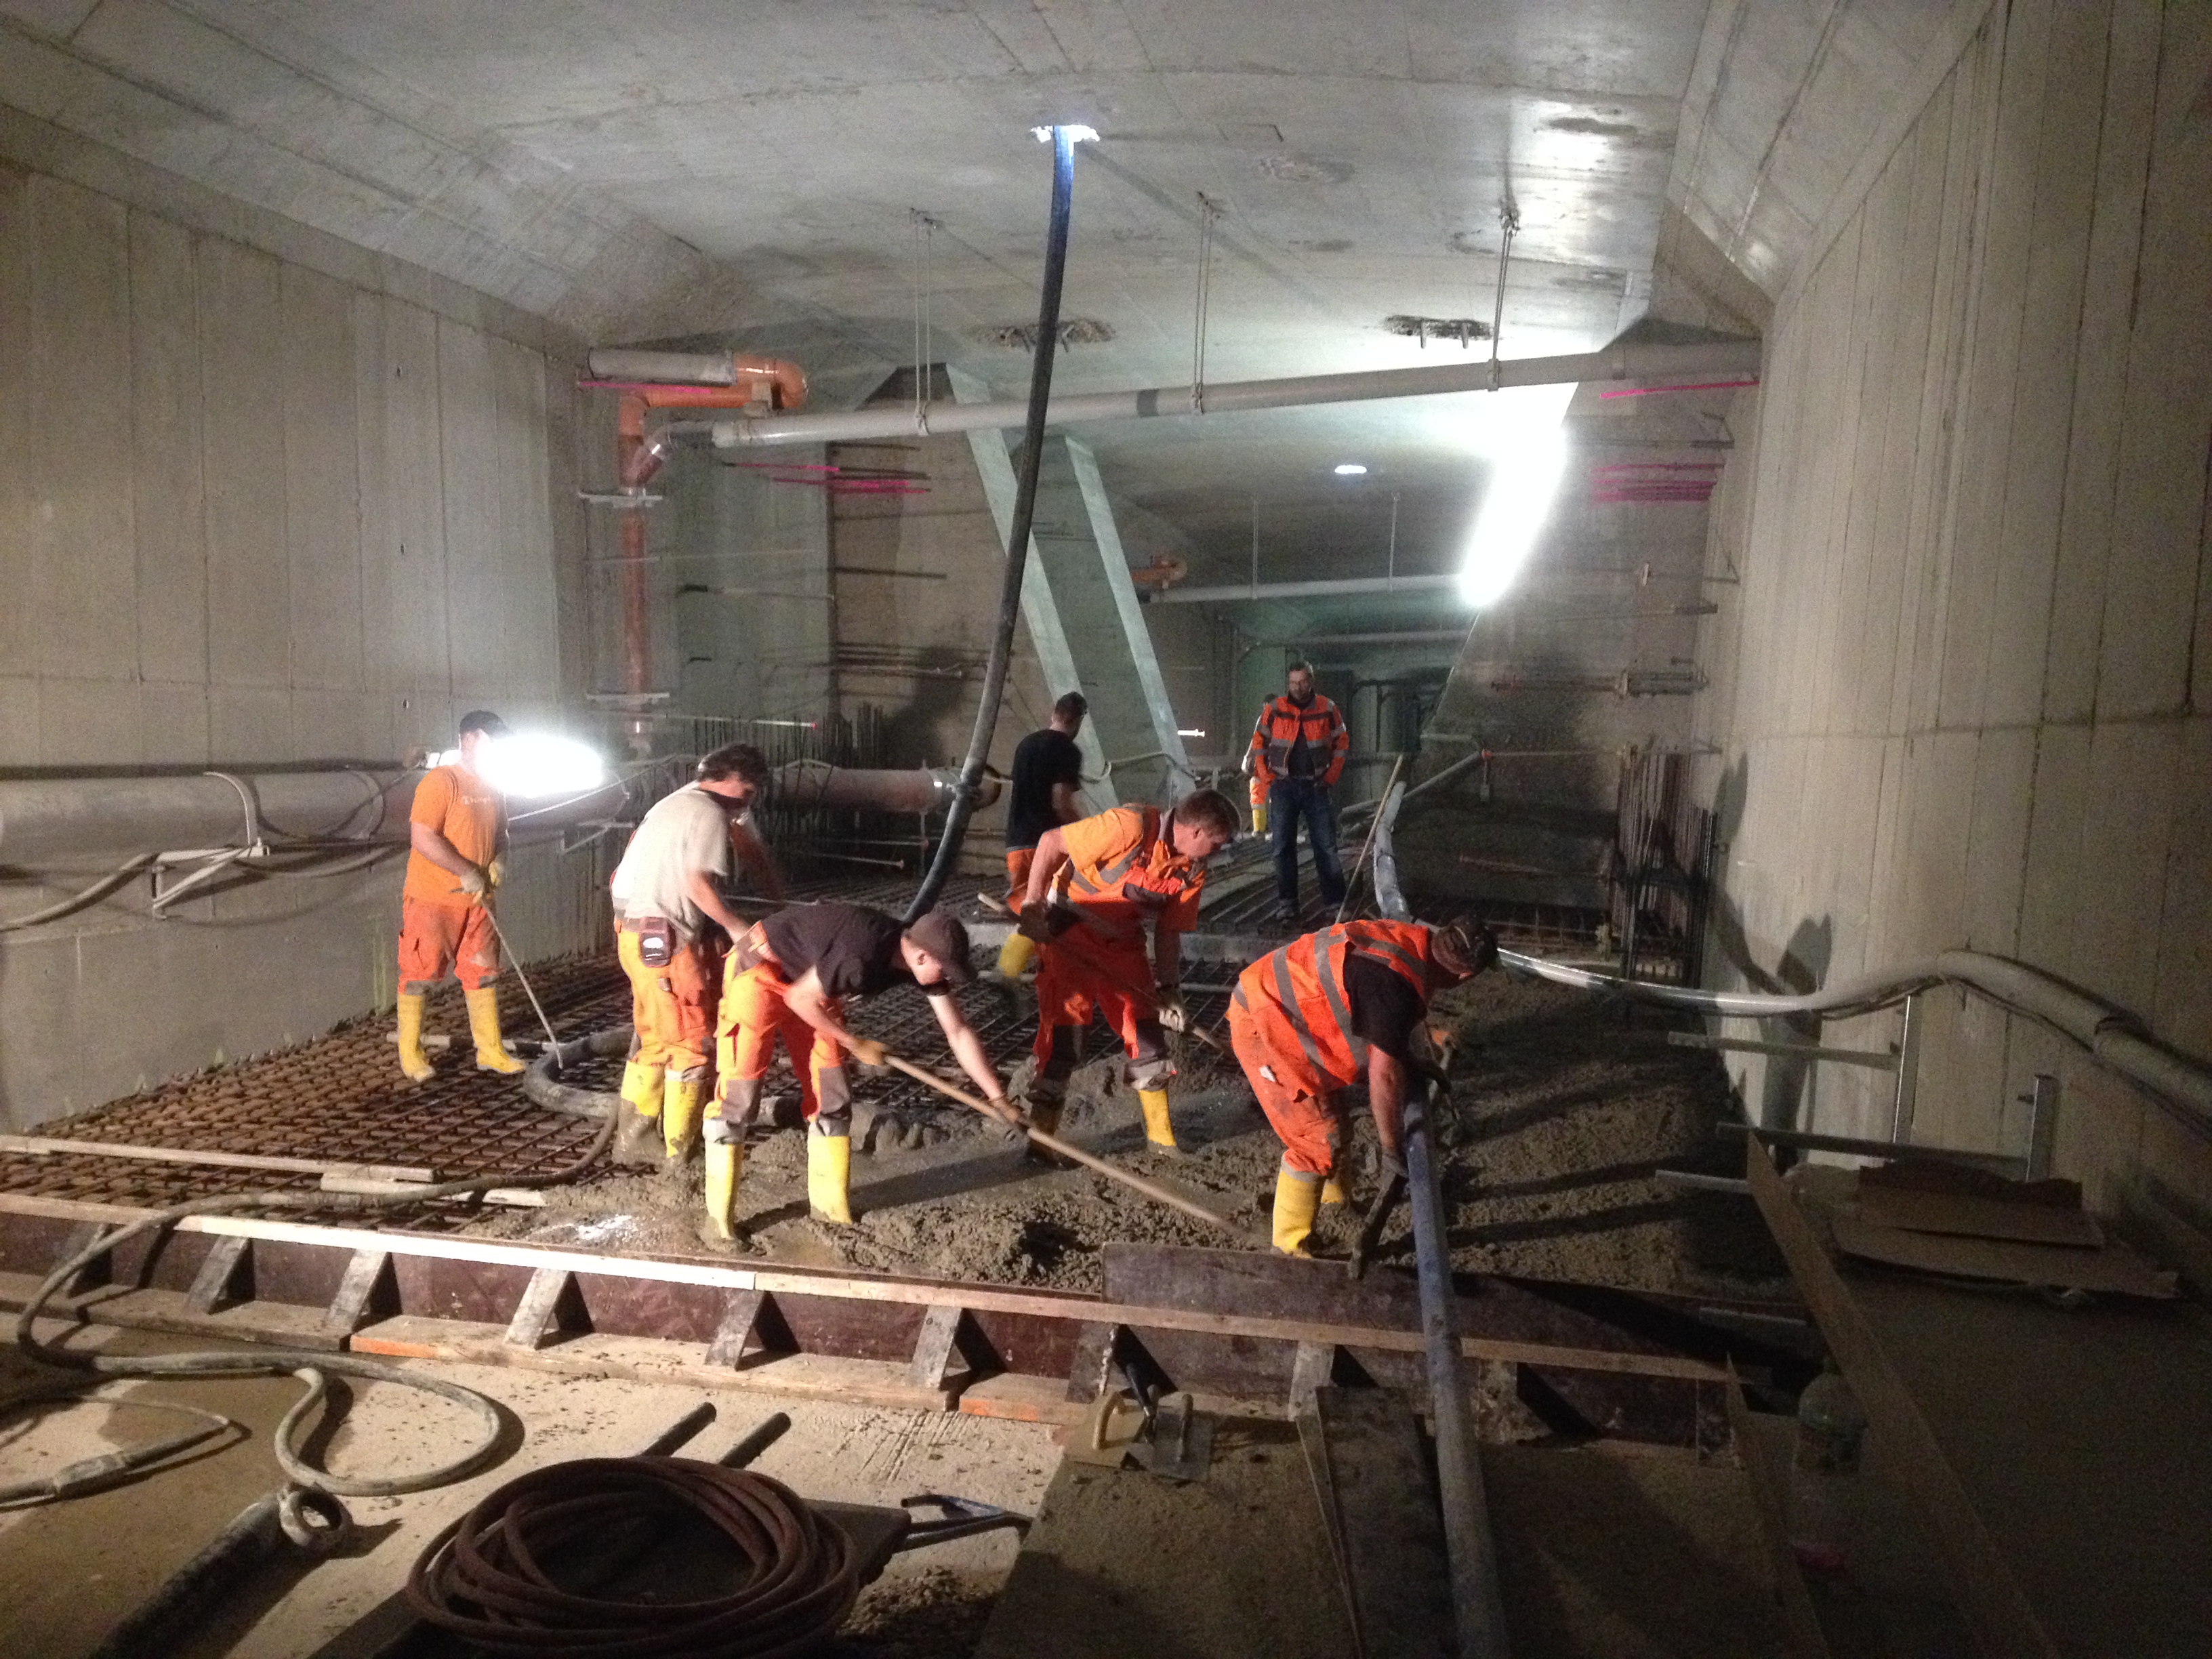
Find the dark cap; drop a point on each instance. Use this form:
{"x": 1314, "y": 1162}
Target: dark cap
{"x": 1464, "y": 948}
{"x": 484, "y": 720}
{"x": 940, "y": 933}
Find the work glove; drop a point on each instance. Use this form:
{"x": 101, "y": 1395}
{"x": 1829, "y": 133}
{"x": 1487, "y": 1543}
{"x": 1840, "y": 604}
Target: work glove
{"x": 869, "y": 1052}
{"x": 472, "y": 882}
{"x": 494, "y": 872}
{"x": 1174, "y": 1014}
{"x": 1043, "y": 923}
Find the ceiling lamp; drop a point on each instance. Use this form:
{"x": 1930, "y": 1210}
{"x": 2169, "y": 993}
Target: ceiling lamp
{"x": 1350, "y": 470}
{"x": 1518, "y": 432}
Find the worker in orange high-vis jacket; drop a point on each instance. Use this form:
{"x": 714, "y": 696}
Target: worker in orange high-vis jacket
{"x": 671, "y": 922}
{"x": 1094, "y": 886}
{"x": 1319, "y": 1013}
{"x": 787, "y": 978}
{"x": 457, "y": 830}
{"x": 1297, "y": 752}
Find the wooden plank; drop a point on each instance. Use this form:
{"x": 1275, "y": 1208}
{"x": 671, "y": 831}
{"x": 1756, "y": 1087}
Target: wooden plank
{"x": 46, "y": 1146}
{"x": 1392, "y": 1534}
{"x": 654, "y": 1359}
{"x": 934, "y": 1348}
{"x": 1311, "y": 1368}
{"x": 2003, "y": 1620}
{"x": 975, "y": 1298}
{"x": 2115, "y": 1268}
{"x": 367, "y": 1276}
{"x": 270, "y": 1324}
{"x": 1770, "y": 1492}
{"x": 741, "y": 1313}
{"x": 537, "y": 1319}
{"x": 95, "y": 1271}
{"x": 1978, "y": 1217}
{"x": 1017, "y": 1397}
{"x": 225, "y": 1277}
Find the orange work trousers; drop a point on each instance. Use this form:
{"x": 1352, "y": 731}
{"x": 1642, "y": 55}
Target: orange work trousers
{"x": 437, "y": 939}
{"x": 755, "y": 1014}
{"x": 672, "y": 1007}
{"x": 1075, "y": 981}
{"x": 1019, "y": 859}
{"x": 1302, "y": 1110}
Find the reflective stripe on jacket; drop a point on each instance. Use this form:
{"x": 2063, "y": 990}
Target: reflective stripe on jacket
{"x": 1296, "y": 998}
{"x": 1277, "y": 730}
{"x": 1147, "y": 878}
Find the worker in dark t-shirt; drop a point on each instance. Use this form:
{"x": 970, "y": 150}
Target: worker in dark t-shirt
{"x": 1048, "y": 772}
{"x": 788, "y": 977}
{"x": 1319, "y": 1013}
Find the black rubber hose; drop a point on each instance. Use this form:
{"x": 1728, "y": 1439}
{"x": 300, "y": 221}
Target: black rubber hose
{"x": 541, "y": 1087}
{"x": 1018, "y": 543}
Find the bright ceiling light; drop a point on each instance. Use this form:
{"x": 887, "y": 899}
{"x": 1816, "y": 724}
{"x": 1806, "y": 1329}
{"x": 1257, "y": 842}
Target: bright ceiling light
{"x": 1517, "y": 431}
{"x": 1350, "y": 470}
{"x": 1076, "y": 135}
{"x": 533, "y": 765}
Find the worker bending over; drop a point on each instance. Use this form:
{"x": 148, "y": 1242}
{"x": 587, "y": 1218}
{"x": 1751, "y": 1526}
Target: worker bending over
{"x": 668, "y": 902}
{"x": 1298, "y": 751}
{"x": 1307, "y": 1020}
{"x": 788, "y": 978}
{"x": 1093, "y": 886}
{"x": 457, "y": 831}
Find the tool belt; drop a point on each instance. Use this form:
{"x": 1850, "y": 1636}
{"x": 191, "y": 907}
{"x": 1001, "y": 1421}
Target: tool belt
{"x": 656, "y": 939}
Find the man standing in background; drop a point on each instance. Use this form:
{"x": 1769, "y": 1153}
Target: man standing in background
{"x": 1299, "y": 748}
{"x": 457, "y": 830}
{"x": 667, "y": 894}
{"x": 1048, "y": 772}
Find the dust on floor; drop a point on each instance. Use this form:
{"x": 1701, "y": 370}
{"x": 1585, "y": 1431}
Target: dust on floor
{"x": 1561, "y": 1109}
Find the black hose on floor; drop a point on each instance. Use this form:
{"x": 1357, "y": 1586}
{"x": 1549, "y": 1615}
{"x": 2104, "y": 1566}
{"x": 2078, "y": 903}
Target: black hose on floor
{"x": 485, "y": 1578}
{"x": 1018, "y": 543}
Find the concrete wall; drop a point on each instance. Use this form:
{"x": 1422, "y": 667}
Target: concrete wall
{"x": 1965, "y": 690}
{"x": 263, "y": 499}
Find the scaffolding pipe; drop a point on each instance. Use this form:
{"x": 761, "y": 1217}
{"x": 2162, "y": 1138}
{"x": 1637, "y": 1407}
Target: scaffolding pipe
{"x": 1623, "y": 361}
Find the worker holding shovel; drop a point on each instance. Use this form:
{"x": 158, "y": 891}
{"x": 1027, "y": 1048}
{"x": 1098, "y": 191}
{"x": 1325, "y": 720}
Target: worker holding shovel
{"x": 1093, "y": 886}
{"x": 1314, "y": 1017}
{"x": 787, "y": 978}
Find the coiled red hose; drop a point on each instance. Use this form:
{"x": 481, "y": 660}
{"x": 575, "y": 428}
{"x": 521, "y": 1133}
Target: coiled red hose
{"x": 482, "y": 1578}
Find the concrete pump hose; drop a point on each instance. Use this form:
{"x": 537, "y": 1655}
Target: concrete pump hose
{"x": 486, "y": 1578}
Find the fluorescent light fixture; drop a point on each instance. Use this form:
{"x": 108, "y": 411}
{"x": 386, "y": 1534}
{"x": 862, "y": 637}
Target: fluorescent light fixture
{"x": 1076, "y": 135}
{"x": 1190, "y": 732}
{"x": 1517, "y": 431}
{"x": 533, "y": 765}
{"x": 1350, "y": 470}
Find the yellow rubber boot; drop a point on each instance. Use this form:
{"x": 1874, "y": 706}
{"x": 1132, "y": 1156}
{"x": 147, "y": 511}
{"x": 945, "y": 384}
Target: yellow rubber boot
{"x": 682, "y": 1100}
{"x": 642, "y": 1086}
{"x": 829, "y": 1178}
{"x": 484, "y": 1026}
{"x": 1332, "y": 1191}
{"x": 413, "y": 1060}
{"x": 1260, "y": 817}
{"x": 726, "y": 1162}
{"x": 1298, "y": 1196}
{"x": 1159, "y": 1132}
{"x": 1016, "y": 955}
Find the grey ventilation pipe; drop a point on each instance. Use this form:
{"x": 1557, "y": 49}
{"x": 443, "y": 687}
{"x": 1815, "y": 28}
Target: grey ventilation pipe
{"x": 803, "y": 785}
{"x": 1616, "y": 362}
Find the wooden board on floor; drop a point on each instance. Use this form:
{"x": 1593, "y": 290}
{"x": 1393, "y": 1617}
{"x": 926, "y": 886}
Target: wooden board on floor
{"x": 1236, "y": 1567}
{"x": 2115, "y": 1269}
{"x": 1389, "y": 1532}
{"x": 1976, "y": 1217}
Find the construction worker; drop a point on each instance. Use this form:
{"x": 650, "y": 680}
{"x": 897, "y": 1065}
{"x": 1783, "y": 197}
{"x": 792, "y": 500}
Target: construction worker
{"x": 1048, "y": 772}
{"x": 788, "y": 978}
{"x": 457, "y": 830}
{"x": 668, "y": 900}
{"x": 1093, "y": 886}
{"x": 1310, "y": 1019}
{"x": 1298, "y": 751}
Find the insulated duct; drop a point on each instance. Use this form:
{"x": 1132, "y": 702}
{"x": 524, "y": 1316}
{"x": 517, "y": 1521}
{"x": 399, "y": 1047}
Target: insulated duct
{"x": 46, "y": 821}
{"x": 1616, "y": 362}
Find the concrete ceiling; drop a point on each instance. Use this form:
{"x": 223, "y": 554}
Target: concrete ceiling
{"x": 747, "y": 172}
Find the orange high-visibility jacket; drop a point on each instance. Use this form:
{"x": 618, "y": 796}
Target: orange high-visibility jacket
{"x": 1278, "y": 728}
{"x": 1296, "y": 998}
{"x": 1123, "y": 867}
